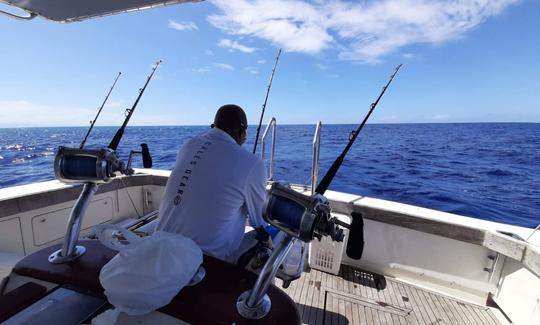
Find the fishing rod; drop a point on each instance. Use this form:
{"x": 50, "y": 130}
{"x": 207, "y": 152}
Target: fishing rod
{"x": 305, "y": 218}
{"x": 99, "y": 111}
{"x": 118, "y": 136}
{"x": 91, "y": 167}
{"x": 331, "y": 173}
{"x": 308, "y": 217}
{"x": 265, "y": 100}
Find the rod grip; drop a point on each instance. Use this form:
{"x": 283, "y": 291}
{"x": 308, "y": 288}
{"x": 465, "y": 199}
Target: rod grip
{"x": 329, "y": 176}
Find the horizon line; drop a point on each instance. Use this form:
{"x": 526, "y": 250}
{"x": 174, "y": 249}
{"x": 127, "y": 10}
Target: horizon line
{"x": 291, "y": 124}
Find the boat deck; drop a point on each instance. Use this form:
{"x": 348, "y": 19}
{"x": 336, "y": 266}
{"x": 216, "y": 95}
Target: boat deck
{"x": 358, "y": 297}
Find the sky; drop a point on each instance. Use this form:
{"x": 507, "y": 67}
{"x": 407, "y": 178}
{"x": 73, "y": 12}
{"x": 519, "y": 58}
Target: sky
{"x": 463, "y": 61}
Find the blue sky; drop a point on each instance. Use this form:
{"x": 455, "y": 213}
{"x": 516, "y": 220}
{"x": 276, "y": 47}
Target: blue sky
{"x": 464, "y": 61}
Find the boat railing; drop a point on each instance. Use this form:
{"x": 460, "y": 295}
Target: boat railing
{"x": 315, "y": 159}
{"x": 532, "y": 233}
{"x": 271, "y": 125}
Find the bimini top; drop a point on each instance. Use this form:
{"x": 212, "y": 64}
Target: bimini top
{"x": 76, "y": 10}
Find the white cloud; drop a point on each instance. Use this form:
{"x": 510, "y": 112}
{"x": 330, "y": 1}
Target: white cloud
{"x": 389, "y": 119}
{"x": 321, "y": 66}
{"x": 234, "y": 45}
{"x": 209, "y": 52}
{"x": 20, "y": 113}
{"x": 363, "y": 31}
{"x": 409, "y": 56}
{"x": 113, "y": 103}
{"x": 252, "y": 70}
{"x": 440, "y": 117}
{"x": 202, "y": 69}
{"x": 183, "y": 25}
{"x": 261, "y": 61}
{"x": 224, "y": 66}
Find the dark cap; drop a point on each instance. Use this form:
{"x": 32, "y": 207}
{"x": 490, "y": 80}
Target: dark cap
{"x": 230, "y": 118}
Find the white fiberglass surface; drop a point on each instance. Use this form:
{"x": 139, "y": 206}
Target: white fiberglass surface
{"x": 73, "y": 10}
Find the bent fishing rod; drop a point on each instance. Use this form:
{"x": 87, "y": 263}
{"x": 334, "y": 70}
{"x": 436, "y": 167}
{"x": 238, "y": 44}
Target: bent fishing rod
{"x": 99, "y": 111}
{"x": 118, "y": 136}
{"x": 265, "y": 101}
{"x": 331, "y": 173}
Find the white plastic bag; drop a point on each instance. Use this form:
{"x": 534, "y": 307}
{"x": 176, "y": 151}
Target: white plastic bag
{"x": 147, "y": 272}
{"x": 293, "y": 264}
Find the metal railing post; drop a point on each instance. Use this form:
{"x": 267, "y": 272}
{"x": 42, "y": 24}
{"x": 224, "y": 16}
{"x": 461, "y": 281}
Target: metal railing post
{"x": 272, "y": 125}
{"x": 315, "y": 161}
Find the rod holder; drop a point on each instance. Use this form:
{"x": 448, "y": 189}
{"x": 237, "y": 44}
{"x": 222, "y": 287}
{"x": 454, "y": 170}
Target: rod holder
{"x": 70, "y": 251}
{"x": 255, "y": 303}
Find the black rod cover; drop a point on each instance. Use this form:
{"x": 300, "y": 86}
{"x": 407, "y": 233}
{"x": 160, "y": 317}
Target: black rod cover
{"x": 146, "y": 158}
{"x": 355, "y": 244}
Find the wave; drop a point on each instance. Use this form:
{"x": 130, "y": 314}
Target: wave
{"x": 499, "y": 172}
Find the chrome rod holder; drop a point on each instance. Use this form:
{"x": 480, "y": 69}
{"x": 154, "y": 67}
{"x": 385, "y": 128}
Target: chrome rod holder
{"x": 271, "y": 125}
{"x": 70, "y": 251}
{"x": 255, "y": 303}
{"x": 315, "y": 160}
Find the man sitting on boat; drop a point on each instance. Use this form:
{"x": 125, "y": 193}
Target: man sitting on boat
{"x": 215, "y": 186}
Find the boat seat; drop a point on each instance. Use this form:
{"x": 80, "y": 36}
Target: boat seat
{"x": 83, "y": 272}
{"x": 20, "y": 298}
{"x": 214, "y": 298}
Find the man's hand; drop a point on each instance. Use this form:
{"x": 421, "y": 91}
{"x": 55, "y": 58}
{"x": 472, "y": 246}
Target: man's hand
{"x": 255, "y": 258}
{"x": 263, "y": 238}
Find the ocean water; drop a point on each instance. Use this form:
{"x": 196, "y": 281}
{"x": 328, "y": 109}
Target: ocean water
{"x": 484, "y": 170}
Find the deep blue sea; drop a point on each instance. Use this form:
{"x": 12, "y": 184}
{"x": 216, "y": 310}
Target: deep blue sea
{"x": 486, "y": 170}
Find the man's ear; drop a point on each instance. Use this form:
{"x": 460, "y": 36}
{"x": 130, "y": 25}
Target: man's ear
{"x": 239, "y": 136}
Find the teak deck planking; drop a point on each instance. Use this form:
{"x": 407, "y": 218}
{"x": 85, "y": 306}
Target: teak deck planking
{"x": 352, "y": 297}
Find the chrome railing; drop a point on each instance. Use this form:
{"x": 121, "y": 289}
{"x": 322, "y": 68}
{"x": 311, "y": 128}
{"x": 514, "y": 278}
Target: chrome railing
{"x": 532, "y": 233}
{"x": 315, "y": 160}
{"x": 272, "y": 125}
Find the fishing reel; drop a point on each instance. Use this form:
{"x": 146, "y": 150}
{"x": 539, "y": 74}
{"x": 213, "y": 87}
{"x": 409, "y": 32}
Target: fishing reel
{"x": 73, "y": 165}
{"x": 300, "y": 216}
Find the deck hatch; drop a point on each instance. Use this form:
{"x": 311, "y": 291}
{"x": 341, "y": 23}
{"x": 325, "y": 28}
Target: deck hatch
{"x": 364, "y": 301}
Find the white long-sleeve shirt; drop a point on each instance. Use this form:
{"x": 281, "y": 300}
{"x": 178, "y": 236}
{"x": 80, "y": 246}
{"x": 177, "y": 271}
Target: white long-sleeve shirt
{"x": 214, "y": 186}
